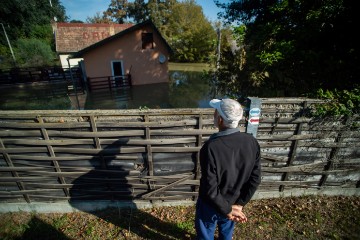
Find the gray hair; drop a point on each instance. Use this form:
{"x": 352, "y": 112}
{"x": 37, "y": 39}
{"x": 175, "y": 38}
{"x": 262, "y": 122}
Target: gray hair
{"x": 230, "y": 111}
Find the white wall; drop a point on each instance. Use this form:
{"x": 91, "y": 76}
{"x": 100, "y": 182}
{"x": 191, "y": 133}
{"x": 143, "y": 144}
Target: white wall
{"x": 74, "y": 62}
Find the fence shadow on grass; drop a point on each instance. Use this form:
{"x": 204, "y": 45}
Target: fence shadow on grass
{"x": 110, "y": 183}
{"x": 38, "y": 229}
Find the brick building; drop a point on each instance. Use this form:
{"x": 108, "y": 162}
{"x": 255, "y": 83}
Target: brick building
{"x": 115, "y": 50}
{"x": 72, "y": 37}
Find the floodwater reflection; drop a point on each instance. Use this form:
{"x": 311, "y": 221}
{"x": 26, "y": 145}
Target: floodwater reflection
{"x": 34, "y": 96}
{"x": 185, "y": 89}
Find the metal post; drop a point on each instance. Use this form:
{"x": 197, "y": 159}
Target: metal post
{"x": 253, "y": 116}
{"x": 7, "y": 39}
{"x": 74, "y": 83}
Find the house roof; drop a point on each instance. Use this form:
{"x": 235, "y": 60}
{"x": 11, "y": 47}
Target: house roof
{"x": 72, "y": 37}
{"x": 119, "y": 35}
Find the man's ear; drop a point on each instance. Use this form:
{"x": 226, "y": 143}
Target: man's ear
{"x": 220, "y": 120}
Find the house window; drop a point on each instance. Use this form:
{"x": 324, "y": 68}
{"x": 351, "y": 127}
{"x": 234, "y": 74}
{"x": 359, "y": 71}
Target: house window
{"x": 147, "y": 41}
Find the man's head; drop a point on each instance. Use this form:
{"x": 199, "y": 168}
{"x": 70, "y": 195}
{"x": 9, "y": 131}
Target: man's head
{"x": 228, "y": 113}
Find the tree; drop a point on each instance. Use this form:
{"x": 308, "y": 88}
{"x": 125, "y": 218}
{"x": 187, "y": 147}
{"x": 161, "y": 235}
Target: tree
{"x": 138, "y": 11}
{"x": 189, "y": 33}
{"x": 76, "y": 21}
{"x": 118, "y": 11}
{"x": 28, "y": 20}
{"x": 296, "y": 47}
{"x": 160, "y": 12}
{"x": 182, "y": 24}
{"x": 231, "y": 62}
{"x": 33, "y": 53}
{"x": 20, "y": 16}
{"x": 97, "y": 18}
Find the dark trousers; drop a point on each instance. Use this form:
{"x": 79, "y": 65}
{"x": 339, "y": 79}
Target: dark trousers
{"x": 206, "y": 220}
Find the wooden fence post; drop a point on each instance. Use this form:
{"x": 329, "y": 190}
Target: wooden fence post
{"x": 109, "y": 82}
{"x": 14, "y": 173}
{"x": 253, "y": 115}
{"x": 89, "y": 84}
{"x": 334, "y": 152}
{"x": 148, "y": 148}
{"x": 198, "y": 144}
{"x": 293, "y": 148}
{"x": 149, "y": 154}
{"x": 52, "y": 154}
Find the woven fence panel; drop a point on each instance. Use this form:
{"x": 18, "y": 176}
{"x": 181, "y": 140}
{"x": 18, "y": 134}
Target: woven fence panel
{"x": 154, "y": 154}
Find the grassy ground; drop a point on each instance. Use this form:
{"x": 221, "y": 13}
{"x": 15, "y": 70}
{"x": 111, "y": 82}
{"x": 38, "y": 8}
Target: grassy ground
{"x": 192, "y": 67}
{"x": 283, "y": 218}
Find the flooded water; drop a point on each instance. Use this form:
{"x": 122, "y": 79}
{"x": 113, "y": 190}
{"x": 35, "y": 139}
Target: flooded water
{"x": 187, "y": 88}
{"x": 34, "y": 96}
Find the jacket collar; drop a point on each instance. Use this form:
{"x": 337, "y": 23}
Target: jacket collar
{"x": 225, "y": 132}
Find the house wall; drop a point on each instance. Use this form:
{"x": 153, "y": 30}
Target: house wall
{"x": 144, "y": 63}
{"x": 72, "y": 37}
{"x": 74, "y": 62}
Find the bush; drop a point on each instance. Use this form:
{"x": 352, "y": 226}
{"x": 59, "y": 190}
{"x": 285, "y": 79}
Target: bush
{"x": 33, "y": 52}
{"x": 338, "y": 102}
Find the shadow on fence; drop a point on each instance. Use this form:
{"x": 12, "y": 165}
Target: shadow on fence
{"x": 111, "y": 179}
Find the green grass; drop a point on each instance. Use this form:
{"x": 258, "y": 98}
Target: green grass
{"x": 282, "y": 218}
{"x": 191, "y": 67}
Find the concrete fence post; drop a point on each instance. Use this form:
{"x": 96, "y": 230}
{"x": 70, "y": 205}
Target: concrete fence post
{"x": 252, "y": 117}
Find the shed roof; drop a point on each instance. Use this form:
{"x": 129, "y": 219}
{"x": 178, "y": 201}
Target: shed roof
{"x": 119, "y": 35}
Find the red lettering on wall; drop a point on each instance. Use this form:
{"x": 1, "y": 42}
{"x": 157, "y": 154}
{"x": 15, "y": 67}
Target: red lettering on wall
{"x": 105, "y": 34}
{"x": 85, "y": 35}
{"x": 96, "y": 35}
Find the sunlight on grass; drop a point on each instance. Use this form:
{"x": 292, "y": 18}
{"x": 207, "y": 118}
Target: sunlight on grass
{"x": 282, "y": 218}
{"x": 191, "y": 67}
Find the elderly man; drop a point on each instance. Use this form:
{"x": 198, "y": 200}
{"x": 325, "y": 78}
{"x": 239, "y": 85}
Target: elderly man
{"x": 230, "y": 173}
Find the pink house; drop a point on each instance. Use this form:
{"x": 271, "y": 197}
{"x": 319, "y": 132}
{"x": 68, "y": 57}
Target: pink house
{"x": 139, "y": 50}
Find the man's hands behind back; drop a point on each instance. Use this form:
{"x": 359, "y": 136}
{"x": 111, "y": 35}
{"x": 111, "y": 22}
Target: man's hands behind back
{"x": 237, "y": 214}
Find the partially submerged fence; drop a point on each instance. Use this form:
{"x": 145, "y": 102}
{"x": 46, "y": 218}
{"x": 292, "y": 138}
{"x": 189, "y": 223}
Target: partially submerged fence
{"x": 154, "y": 154}
{"x": 109, "y": 82}
{"x": 38, "y": 74}
{"x": 49, "y": 75}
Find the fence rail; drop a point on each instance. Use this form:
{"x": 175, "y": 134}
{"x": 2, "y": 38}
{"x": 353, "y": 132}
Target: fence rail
{"x": 154, "y": 154}
{"x": 109, "y": 82}
{"x": 47, "y": 75}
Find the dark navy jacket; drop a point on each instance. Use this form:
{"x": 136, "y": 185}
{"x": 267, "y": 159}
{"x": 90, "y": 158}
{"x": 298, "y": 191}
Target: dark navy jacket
{"x": 230, "y": 169}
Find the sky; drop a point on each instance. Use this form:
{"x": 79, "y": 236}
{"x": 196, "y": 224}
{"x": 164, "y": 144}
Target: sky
{"x": 81, "y": 9}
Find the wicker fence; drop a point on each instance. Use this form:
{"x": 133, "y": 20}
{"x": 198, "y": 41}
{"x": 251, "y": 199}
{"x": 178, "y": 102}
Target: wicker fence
{"x": 48, "y": 156}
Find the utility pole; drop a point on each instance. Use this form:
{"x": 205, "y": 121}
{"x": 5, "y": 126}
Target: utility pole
{"x": 218, "y": 49}
{"x": 7, "y": 39}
